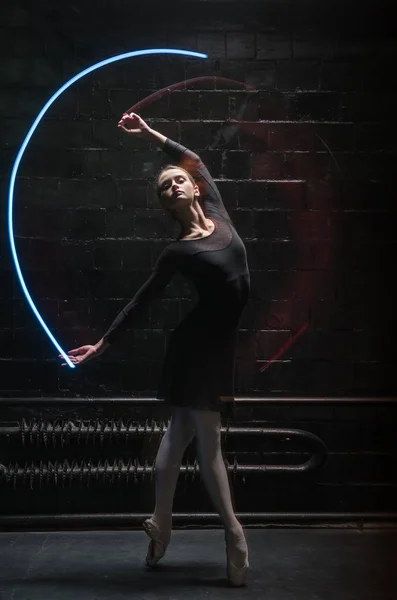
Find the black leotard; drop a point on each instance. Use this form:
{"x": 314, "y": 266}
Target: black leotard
{"x": 199, "y": 364}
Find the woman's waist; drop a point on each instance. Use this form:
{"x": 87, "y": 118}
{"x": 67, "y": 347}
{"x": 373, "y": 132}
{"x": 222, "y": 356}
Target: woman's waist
{"x": 225, "y": 313}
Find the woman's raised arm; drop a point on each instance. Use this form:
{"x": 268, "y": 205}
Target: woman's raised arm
{"x": 133, "y": 124}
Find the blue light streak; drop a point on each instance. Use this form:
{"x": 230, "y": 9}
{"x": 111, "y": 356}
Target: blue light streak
{"x": 23, "y": 148}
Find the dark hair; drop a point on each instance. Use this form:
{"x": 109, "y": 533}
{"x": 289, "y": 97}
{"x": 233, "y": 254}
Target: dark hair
{"x": 166, "y": 168}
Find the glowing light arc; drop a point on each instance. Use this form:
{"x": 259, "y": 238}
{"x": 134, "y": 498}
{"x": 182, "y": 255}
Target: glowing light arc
{"x": 23, "y": 148}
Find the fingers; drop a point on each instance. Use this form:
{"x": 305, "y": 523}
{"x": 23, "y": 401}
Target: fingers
{"x": 75, "y": 355}
{"x": 74, "y": 361}
{"x": 66, "y": 364}
{"x": 80, "y": 355}
{"x": 77, "y": 351}
{"x": 130, "y": 117}
{"x": 128, "y": 130}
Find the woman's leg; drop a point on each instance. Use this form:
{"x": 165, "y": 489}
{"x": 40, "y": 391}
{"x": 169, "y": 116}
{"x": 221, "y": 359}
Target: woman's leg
{"x": 213, "y": 471}
{"x": 179, "y": 434}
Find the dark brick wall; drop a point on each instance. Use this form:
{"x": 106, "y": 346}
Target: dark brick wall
{"x": 305, "y": 161}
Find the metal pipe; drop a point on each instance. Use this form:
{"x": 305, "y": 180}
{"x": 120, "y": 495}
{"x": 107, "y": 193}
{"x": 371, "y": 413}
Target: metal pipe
{"x": 254, "y": 519}
{"x": 32, "y": 401}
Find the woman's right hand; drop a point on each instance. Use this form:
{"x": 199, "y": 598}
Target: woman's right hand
{"x": 133, "y": 124}
{"x": 81, "y": 355}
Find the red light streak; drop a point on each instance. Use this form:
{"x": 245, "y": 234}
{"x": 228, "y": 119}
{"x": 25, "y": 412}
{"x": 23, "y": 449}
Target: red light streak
{"x": 285, "y": 347}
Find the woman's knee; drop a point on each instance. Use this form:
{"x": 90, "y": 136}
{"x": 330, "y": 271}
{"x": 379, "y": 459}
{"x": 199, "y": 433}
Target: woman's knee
{"x": 208, "y": 430}
{"x": 206, "y": 420}
{"x": 182, "y": 425}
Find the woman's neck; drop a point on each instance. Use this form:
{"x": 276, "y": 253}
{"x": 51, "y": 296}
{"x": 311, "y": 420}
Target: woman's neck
{"x": 193, "y": 221}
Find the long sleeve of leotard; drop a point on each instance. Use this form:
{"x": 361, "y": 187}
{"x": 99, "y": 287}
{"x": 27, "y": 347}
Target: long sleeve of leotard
{"x": 193, "y": 164}
{"x": 163, "y": 271}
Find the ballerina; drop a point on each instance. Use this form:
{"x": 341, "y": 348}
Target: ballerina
{"x": 197, "y": 379}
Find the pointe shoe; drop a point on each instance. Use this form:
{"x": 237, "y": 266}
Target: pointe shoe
{"x": 157, "y": 547}
{"x": 236, "y": 575}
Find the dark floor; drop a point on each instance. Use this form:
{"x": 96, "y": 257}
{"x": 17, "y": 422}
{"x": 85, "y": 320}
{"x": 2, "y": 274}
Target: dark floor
{"x": 286, "y": 564}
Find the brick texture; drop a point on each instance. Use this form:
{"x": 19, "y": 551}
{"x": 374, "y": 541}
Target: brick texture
{"x": 292, "y": 112}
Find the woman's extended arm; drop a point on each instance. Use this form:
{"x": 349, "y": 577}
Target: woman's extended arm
{"x": 162, "y": 273}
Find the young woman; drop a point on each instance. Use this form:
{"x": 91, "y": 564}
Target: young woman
{"x": 197, "y": 376}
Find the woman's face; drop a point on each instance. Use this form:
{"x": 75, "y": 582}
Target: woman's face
{"x": 176, "y": 188}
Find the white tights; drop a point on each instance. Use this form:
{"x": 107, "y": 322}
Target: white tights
{"x": 184, "y": 425}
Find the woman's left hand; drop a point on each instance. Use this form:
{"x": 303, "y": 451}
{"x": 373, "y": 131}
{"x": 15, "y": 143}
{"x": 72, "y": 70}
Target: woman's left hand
{"x": 133, "y": 124}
